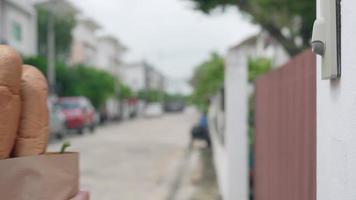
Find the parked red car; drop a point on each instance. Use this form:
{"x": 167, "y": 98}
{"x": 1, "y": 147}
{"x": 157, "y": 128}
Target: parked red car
{"x": 79, "y": 113}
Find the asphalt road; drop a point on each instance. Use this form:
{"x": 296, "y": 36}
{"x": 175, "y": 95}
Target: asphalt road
{"x": 133, "y": 160}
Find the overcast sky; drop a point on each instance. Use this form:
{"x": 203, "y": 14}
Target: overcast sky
{"x": 168, "y": 33}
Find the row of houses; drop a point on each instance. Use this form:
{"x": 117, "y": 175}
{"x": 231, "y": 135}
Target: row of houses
{"x": 90, "y": 46}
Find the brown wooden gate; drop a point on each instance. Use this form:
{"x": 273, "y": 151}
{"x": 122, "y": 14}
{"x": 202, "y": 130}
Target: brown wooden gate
{"x": 285, "y": 137}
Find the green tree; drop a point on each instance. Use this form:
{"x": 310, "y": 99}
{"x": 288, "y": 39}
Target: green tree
{"x": 208, "y": 78}
{"x": 125, "y": 91}
{"x": 79, "y": 80}
{"x": 95, "y": 84}
{"x": 63, "y": 25}
{"x": 174, "y": 97}
{"x": 286, "y": 20}
{"x": 151, "y": 95}
{"x": 258, "y": 67}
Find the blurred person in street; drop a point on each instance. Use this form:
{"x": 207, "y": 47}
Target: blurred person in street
{"x": 201, "y": 130}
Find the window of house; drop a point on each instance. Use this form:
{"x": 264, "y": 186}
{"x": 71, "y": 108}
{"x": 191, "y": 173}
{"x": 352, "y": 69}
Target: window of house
{"x": 16, "y": 31}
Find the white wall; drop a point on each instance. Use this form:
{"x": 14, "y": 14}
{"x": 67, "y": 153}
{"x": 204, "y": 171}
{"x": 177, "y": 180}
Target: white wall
{"x": 336, "y": 120}
{"x": 220, "y": 163}
{"x": 217, "y": 134}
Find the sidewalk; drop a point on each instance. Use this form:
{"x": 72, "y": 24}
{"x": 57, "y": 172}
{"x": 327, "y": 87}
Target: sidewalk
{"x": 198, "y": 182}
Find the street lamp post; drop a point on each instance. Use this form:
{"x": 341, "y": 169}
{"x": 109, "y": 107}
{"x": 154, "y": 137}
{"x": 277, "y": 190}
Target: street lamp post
{"x": 51, "y": 45}
{"x": 2, "y": 26}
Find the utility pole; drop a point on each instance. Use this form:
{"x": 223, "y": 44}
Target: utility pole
{"x": 2, "y": 26}
{"x": 51, "y": 48}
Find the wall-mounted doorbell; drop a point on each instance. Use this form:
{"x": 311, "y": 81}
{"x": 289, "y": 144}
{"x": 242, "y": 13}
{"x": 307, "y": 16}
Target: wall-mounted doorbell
{"x": 326, "y": 40}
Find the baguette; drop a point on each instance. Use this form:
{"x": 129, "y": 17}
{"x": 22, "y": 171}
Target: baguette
{"x": 32, "y": 136}
{"x": 10, "y": 78}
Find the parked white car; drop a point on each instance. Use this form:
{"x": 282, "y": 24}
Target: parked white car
{"x": 57, "y": 121}
{"x": 153, "y": 110}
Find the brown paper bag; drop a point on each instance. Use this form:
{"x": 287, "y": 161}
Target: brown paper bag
{"x": 46, "y": 177}
{"x": 82, "y": 196}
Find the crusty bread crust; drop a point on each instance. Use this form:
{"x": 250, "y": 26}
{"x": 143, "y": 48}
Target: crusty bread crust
{"x": 10, "y": 78}
{"x": 32, "y": 136}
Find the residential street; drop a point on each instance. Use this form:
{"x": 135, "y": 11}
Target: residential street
{"x": 177, "y": 100}
{"x": 137, "y": 159}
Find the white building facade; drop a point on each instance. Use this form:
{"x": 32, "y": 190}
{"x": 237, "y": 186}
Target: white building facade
{"x": 133, "y": 75}
{"x": 18, "y": 26}
{"x": 336, "y": 121}
{"x": 84, "y": 44}
{"x": 154, "y": 79}
{"x": 141, "y": 76}
{"x": 109, "y": 54}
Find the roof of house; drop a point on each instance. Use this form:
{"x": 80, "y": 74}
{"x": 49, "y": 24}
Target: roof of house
{"x": 60, "y": 7}
{"x": 92, "y": 24}
{"x": 23, "y": 5}
{"x": 252, "y": 40}
{"x": 114, "y": 40}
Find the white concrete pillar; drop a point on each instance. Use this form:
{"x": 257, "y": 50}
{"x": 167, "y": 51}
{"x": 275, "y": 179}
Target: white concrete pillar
{"x": 336, "y": 119}
{"x": 236, "y": 140}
